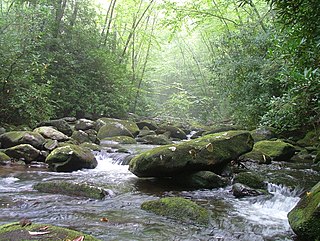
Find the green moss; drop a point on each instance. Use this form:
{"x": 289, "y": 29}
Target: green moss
{"x": 128, "y": 124}
{"x": 258, "y": 156}
{"x": 204, "y": 153}
{"x": 277, "y": 150}
{"x": 178, "y": 208}
{"x": 250, "y": 179}
{"x": 14, "y": 232}
{"x": 304, "y": 217}
{"x": 4, "y": 157}
{"x": 71, "y": 189}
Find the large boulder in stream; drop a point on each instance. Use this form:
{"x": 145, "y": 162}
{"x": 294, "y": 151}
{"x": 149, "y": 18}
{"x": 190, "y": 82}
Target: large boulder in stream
{"x": 209, "y": 153}
{"x": 71, "y": 158}
{"x": 122, "y": 124}
{"x": 26, "y": 230}
{"x": 14, "y": 138}
{"x": 178, "y": 208}
{"x": 278, "y": 150}
{"x": 60, "y": 124}
{"x": 51, "y": 133}
{"x": 304, "y": 218}
{"x": 24, "y": 152}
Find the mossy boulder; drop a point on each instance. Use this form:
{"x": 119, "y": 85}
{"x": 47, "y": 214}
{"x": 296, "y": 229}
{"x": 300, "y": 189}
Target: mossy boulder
{"x": 312, "y": 138}
{"x": 178, "y": 208}
{"x": 208, "y": 153}
{"x": 202, "y": 179}
{"x": 4, "y": 158}
{"x": 85, "y": 124}
{"x": 18, "y": 232}
{"x": 51, "y": 133}
{"x": 60, "y": 124}
{"x": 128, "y": 124}
{"x": 112, "y": 130}
{"x": 80, "y": 136}
{"x": 120, "y": 140}
{"x": 304, "y": 218}
{"x": 219, "y": 128}
{"x": 263, "y": 133}
{"x": 71, "y": 189}
{"x": 24, "y": 152}
{"x": 146, "y": 132}
{"x": 51, "y": 144}
{"x": 91, "y": 146}
{"x": 152, "y": 125}
{"x": 71, "y": 158}
{"x": 14, "y": 138}
{"x": 278, "y": 150}
{"x": 257, "y": 156}
{"x": 155, "y": 140}
{"x": 176, "y": 132}
{"x": 250, "y": 179}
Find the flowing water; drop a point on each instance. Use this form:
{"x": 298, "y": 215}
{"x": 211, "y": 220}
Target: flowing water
{"x": 263, "y": 218}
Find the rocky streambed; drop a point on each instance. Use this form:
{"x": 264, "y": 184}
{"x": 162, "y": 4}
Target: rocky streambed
{"x": 239, "y": 193}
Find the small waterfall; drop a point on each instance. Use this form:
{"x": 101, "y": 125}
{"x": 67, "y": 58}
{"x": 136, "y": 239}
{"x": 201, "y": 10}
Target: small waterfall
{"x": 272, "y": 210}
{"x": 117, "y": 158}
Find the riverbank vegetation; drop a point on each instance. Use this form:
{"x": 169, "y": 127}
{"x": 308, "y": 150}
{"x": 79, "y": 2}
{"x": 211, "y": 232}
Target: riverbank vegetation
{"x": 249, "y": 62}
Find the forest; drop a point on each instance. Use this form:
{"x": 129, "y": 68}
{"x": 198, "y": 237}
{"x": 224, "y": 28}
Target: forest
{"x": 248, "y": 62}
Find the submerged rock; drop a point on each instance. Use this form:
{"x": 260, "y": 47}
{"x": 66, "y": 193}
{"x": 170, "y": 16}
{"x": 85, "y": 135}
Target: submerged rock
{"x": 14, "y": 138}
{"x": 208, "y": 153}
{"x": 71, "y": 189}
{"x": 26, "y": 230}
{"x": 278, "y": 150}
{"x": 178, "y": 208}
{"x": 71, "y": 158}
{"x": 250, "y": 179}
{"x": 304, "y": 218}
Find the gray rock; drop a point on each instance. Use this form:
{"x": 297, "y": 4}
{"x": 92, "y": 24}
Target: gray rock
{"x": 51, "y": 133}
{"x": 24, "y": 152}
{"x": 13, "y": 138}
{"x": 84, "y": 124}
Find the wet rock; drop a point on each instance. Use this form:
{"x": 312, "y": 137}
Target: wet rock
{"x": 146, "y": 132}
{"x": 257, "y": 156}
{"x": 263, "y": 133}
{"x": 13, "y": 138}
{"x": 113, "y": 129}
{"x": 4, "y": 158}
{"x": 120, "y": 140}
{"x": 154, "y": 140}
{"x": 128, "y": 124}
{"x": 80, "y": 136}
{"x": 91, "y": 146}
{"x": 24, "y": 152}
{"x": 71, "y": 158}
{"x": 239, "y": 190}
{"x": 202, "y": 179}
{"x": 175, "y": 132}
{"x": 51, "y": 144}
{"x": 250, "y": 179}
{"x": 278, "y": 150}
{"x": 304, "y": 218}
{"x": 71, "y": 189}
{"x": 312, "y": 138}
{"x": 150, "y": 124}
{"x": 2, "y": 130}
{"x": 60, "y": 124}
{"x": 178, "y": 208}
{"x": 84, "y": 124}
{"x": 17, "y": 232}
{"x": 208, "y": 153}
{"x": 51, "y": 133}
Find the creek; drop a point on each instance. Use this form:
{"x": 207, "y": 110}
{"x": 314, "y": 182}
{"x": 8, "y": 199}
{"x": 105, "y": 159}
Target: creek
{"x": 258, "y": 218}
